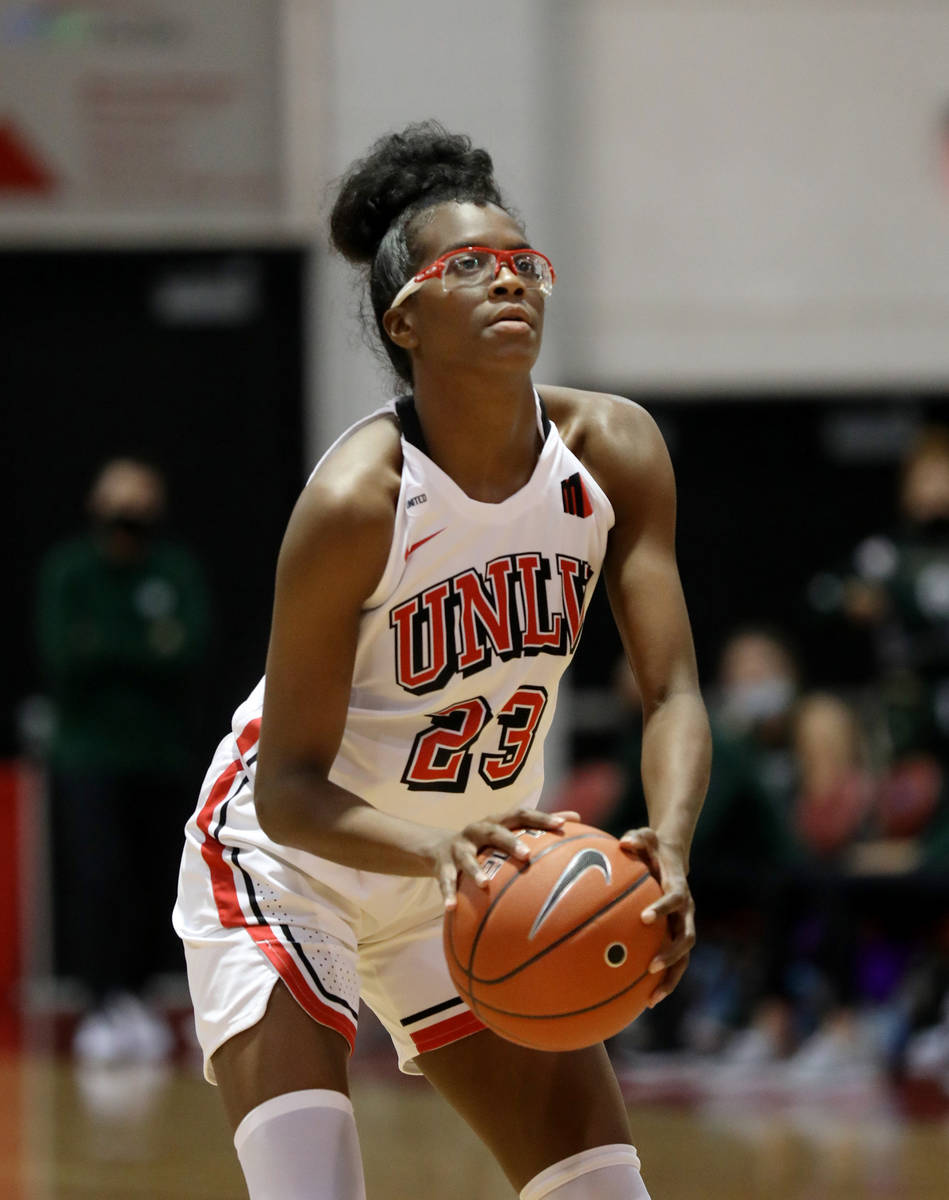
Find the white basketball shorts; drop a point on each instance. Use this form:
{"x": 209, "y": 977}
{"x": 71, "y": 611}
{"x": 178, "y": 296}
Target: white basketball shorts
{"x": 248, "y": 917}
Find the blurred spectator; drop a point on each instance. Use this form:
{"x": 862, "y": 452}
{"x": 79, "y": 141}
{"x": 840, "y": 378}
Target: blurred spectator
{"x": 122, "y": 625}
{"x": 810, "y": 989}
{"x": 753, "y": 701}
{"x": 834, "y": 790}
{"x": 805, "y": 869}
{"x": 806, "y": 754}
{"x": 740, "y": 847}
{"x": 897, "y": 585}
{"x": 837, "y": 943}
{"x": 790, "y": 795}
{"x": 741, "y": 833}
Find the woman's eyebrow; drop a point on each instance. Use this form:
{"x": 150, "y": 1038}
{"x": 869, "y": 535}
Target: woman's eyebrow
{"x": 467, "y": 244}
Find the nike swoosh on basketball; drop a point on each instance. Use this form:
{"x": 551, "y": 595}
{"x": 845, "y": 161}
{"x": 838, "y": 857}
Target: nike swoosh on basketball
{"x": 583, "y": 861}
{"x": 422, "y": 541}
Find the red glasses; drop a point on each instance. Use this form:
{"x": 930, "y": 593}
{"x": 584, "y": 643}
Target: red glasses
{"x": 475, "y": 265}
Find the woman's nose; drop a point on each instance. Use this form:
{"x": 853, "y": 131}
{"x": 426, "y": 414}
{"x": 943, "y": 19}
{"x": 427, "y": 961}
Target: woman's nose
{"x": 507, "y": 282}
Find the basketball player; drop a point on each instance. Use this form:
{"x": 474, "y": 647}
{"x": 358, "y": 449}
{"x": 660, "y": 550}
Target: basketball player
{"x": 430, "y": 591}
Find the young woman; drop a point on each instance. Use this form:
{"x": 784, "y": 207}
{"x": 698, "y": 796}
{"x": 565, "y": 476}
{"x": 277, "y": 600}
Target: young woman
{"x": 430, "y": 591}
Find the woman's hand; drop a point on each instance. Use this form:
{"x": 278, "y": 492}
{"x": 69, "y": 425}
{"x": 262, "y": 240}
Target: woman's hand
{"x": 458, "y": 852}
{"x": 667, "y": 862}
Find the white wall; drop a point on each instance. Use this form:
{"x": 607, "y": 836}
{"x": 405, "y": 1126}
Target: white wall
{"x": 737, "y": 193}
{"x": 765, "y": 185}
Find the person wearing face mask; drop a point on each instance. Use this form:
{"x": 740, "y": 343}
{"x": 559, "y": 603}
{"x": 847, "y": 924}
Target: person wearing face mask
{"x": 754, "y": 699}
{"x": 743, "y": 842}
{"x": 122, "y": 622}
{"x": 788, "y": 792}
{"x": 829, "y": 921}
{"x": 798, "y": 749}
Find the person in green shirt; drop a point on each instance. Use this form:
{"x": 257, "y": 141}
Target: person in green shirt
{"x": 743, "y": 848}
{"x": 122, "y": 620}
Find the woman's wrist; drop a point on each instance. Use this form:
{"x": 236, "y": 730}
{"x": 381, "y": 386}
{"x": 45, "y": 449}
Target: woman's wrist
{"x": 675, "y": 841}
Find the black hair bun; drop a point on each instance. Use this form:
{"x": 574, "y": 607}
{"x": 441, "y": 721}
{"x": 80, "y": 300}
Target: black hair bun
{"x": 423, "y": 163}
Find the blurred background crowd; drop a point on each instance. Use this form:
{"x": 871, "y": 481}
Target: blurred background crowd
{"x": 821, "y": 860}
{"x": 748, "y": 209}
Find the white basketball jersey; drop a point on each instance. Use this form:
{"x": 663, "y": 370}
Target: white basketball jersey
{"x": 461, "y": 645}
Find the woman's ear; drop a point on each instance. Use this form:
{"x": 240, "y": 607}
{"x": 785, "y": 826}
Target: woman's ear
{"x": 399, "y": 326}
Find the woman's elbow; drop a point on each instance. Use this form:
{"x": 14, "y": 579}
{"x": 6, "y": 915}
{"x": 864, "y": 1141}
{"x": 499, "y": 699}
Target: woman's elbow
{"x": 286, "y": 802}
{"x": 274, "y": 811}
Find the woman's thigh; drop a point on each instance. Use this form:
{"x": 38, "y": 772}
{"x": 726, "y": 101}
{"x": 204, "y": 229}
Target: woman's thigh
{"x": 530, "y": 1107}
{"x": 286, "y": 1051}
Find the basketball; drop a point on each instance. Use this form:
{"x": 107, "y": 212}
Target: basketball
{"x": 553, "y": 954}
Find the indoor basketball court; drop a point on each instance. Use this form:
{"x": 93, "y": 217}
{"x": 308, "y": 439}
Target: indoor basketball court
{"x": 746, "y": 212}
{"x": 159, "y": 1133}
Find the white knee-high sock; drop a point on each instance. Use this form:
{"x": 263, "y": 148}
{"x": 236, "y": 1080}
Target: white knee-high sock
{"x": 301, "y": 1146}
{"x": 603, "y": 1173}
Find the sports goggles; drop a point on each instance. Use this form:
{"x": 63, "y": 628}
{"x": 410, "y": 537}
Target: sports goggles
{"x": 474, "y": 265}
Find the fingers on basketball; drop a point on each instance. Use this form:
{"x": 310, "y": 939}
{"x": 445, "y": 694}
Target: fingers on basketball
{"x": 643, "y": 843}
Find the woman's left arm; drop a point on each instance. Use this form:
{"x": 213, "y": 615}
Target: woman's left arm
{"x": 629, "y": 458}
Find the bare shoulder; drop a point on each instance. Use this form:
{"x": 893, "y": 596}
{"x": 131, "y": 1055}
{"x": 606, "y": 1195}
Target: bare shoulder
{"x": 616, "y": 439}
{"x": 346, "y": 513}
{"x": 364, "y": 470}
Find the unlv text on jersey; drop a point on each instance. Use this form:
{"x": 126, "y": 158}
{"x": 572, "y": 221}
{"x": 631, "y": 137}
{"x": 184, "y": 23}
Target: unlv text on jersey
{"x": 457, "y": 624}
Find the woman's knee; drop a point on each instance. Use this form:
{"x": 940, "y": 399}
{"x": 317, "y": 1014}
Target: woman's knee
{"x": 531, "y": 1108}
{"x": 286, "y": 1051}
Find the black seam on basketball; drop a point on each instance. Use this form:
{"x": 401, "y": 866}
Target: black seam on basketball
{"x": 576, "y": 1012}
{"x": 472, "y": 978}
{"x": 473, "y": 1005}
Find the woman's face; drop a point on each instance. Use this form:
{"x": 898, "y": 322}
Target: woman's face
{"x": 496, "y": 324}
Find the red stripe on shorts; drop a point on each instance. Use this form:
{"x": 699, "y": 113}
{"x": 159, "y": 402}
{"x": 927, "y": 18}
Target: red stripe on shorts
{"x": 232, "y": 915}
{"x": 297, "y": 986}
{"x": 222, "y": 881}
{"x": 249, "y": 735}
{"x": 449, "y": 1030}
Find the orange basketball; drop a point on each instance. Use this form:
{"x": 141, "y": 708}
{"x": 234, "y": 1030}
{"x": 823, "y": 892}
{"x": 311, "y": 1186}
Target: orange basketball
{"x": 552, "y": 953}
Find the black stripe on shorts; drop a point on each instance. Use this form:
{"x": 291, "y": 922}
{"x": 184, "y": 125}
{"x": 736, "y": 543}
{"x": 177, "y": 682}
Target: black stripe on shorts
{"x": 431, "y": 1012}
{"x": 308, "y": 967}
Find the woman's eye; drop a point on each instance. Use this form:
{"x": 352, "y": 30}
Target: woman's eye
{"x": 528, "y": 265}
{"x": 467, "y": 264}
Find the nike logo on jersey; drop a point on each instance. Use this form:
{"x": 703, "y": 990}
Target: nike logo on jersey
{"x": 576, "y": 500}
{"x": 422, "y": 541}
{"x": 582, "y": 861}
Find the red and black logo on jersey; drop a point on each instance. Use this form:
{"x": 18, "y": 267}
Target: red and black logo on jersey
{"x": 576, "y": 501}
{"x": 460, "y": 623}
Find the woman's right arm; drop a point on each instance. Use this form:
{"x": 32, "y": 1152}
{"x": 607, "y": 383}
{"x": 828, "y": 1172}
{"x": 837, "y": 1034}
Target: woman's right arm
{"x": 333, "y": 555}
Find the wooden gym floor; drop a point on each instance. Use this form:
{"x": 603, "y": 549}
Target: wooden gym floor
{"x": 158, "y": 1133}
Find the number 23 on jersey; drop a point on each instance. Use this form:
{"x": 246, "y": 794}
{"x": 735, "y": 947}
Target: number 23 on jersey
{"x": 442, "y": 753}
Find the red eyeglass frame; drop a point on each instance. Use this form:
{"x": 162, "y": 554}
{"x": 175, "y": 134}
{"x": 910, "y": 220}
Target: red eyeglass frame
{"x": 436, "y": 269}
